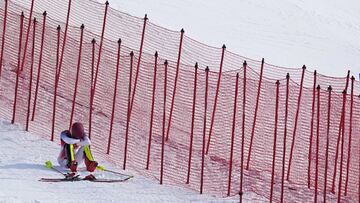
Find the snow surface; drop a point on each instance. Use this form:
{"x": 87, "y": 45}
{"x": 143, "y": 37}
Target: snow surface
{"x": 324, "y": 35}
{"x": 22, "y": 157}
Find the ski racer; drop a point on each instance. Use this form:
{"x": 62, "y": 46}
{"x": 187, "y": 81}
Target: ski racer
{"x": 75, "y": 148}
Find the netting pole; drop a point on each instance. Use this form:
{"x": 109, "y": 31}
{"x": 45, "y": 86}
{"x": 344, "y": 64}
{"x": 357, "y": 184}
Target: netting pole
{"x": 138, "y": 62}
{"x": 163, "y": 125}
{"x": 216, "y": 98}
{"x": 275, "y": 135}
{"x": 128, "y": 109}
{"x": 114, "y": 98}
{"x": 152, "y": 112}
{"x": 285, "y": 135}
{"x": 3, "y": 36}
{"x": 350, "y": 134}
{"x": 175, "y": 84}
{"x": 77, "y": 75}
{"x": 55, "y": 81}
{"x": 347, "y": 80}
{"x": 233, "y": 133}
{"x": 311, "y": 128}
{"x": 243, "y": 133}
{"x": 342, "y": 119}
{"x": 342, "y": 147}
{"x": 204, "y": 130}
{"x": 317, "y": 143}
{"x": 255, "y": 114}
{"x": 27, "y": 35}
{"x": 93, "y": 42}
{"x": 31, "y": 76}
{"x": 18, "y": 67}
{"x": 192, "y": 123}
{"x": 39, "y": 66}
{"x": 58, "y": 70}
{"x": 296, "y": 121}
{"x": 99, "y": 54}
{"x": 327, "y": 144}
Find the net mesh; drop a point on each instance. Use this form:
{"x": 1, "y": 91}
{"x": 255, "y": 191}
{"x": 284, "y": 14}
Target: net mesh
{"x": 166, "y": 42}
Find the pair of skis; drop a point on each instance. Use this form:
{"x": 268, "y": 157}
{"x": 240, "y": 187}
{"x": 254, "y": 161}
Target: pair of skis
{"x": 100, "y": 180}
{"x": 49, "y": 165}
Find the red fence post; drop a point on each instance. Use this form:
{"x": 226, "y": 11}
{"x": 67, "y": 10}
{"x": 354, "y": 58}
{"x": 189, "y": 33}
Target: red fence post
{"x": 128, "y": 109}
{"x": 27, "y": 35}
{"x": 255, "y": 114}
{"x": 31, "y": 76}
{"x": 341, "y": 128}
{"x": 163, "y": 125}
{"x": 39, "y": 66}
{"x": 342, "y": 146}
{"x": 18, "y": 67}
{"x": 233, "y": 133}
{"x": 317, "y": 143}
{"x": 327, "y": 143}
{"x": 58, "y": 70}
{"x": 3, "y": 35}
{"x": 347, "y": 80}
{"x": 138, "y": 63}
{"x": 311, "y": 129}
{"x": 77, "y": 75}
{"x": 216, "y": 98}
{"x": 99, "y": 54}
{"x": 152, "y": 111}
{"x": 204, "y": 130}
{"x": 55, "y": 81}
{"x": 175, "y": 83}
{"x": 285, "y": 135}
{"x": 275, "y": 134}
{"x": 243, "y": 133}
{"x": 350, "y": 134}
{"x": 93, "y": 41}
{"x": 342, "y": 119}
{"x": 192, "y": 123}
{"x": 296, "y": 121}
{"x": 114, "y": 98}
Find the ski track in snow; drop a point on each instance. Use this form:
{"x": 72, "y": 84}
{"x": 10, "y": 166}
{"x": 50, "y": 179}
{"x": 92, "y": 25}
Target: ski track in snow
{"x": 22, "y": 157}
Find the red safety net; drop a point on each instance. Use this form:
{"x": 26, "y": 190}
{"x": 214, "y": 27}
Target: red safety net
{"x": 307, "y": 108}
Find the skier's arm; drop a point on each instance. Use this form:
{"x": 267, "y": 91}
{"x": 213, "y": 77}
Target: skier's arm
{"x": 68, "y": 140}
{"x": 85, "y": 141}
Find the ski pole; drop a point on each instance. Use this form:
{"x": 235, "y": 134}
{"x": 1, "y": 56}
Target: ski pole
{"x": 49, "y": 165}
{"x": 102, "y": 168}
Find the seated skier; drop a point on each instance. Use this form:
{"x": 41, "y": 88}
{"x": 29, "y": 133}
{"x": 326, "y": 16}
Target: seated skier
{"x": 75, "y": 147}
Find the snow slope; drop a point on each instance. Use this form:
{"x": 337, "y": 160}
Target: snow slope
{"x": 324, "y": 35}
{"x": 22, "y": 157}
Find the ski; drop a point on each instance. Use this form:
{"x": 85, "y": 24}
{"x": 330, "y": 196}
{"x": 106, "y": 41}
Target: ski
{"x": 68, "y": 178}
{"x": 100, "y": 180}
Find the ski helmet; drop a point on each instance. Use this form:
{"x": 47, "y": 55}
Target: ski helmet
{"x": 77, "y": 130}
